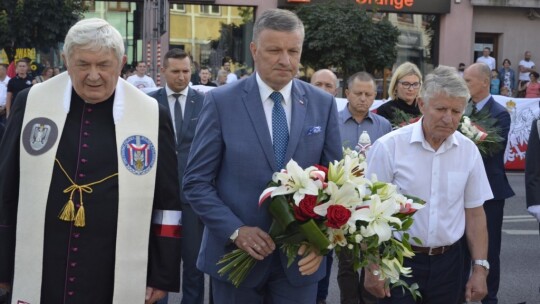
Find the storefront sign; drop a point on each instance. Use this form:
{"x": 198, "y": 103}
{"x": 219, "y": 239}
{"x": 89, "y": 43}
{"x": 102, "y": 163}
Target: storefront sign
{"x": 396, "y": 6}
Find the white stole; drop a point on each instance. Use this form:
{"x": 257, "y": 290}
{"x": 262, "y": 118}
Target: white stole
{"x": 135, "y": 114}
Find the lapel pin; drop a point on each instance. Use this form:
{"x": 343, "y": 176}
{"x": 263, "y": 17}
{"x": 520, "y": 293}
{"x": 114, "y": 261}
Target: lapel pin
{"x": 301, "y": 101}
{"x": 192, "y": 101}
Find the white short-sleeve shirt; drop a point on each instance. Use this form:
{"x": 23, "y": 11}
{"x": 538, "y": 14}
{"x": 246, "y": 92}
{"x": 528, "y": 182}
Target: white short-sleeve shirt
{"x": 448, "y": 180}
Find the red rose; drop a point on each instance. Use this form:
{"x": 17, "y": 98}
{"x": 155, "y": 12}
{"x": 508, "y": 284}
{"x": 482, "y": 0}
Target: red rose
{"x": 337, "y": 216}
{"x": 304, "y": 211}
{"x": 323, "y": 169}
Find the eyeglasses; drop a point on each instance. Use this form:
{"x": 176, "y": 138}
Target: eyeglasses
{"x": 408, "y": 85}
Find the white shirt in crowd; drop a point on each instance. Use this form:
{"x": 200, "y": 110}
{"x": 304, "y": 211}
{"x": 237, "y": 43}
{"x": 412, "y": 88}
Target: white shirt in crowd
{"x": 3, "y": 91}
{"x": 490, "y": 61}
{"x": 528, "y": 64}
{"x": 448, "y": 180}
{"x": 231, "y": 77}
{"x": 141, "y": 82}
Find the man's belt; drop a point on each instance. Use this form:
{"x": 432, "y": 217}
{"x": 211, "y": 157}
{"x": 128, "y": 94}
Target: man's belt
{"x": 433, "y": 250}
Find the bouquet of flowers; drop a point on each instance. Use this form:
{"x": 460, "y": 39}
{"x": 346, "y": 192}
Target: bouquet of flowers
{"x": 336, "y": 207}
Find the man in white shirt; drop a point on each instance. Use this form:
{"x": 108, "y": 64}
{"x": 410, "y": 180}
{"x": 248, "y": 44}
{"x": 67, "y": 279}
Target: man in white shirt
{"x": 485, "y": 58}
{"x": 526, "y": 65}
{"x": 140, "y": 79}
{"x": 430, "y": 160}
{"x": 231, "y": 77}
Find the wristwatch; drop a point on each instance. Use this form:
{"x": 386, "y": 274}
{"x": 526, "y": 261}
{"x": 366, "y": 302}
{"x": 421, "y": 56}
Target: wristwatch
{"x": 234, "y": 235}
{"x": 483, "y": 263}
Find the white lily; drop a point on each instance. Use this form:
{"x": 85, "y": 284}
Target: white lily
{"x": 348, "y": 169}
{"x": 391, "y": 269}
{"x": 346, "y": 196}
{"x": 297, "y": 181}
{"x": 337, "y": 237}
{"x": 378, "y": 215}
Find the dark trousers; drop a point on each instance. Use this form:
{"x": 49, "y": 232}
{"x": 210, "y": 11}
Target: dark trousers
{"x": 275, "y": 289}
{"x": 322, "y": 287}
{"x": 439, "y": 278}
{"x": 351, "y": 282}
{"x": 494, "y": 210}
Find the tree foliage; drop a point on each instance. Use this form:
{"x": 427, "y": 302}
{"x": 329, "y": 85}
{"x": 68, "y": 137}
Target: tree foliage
{"x": 346, "y": 37}
{"x": 39, "y": 24}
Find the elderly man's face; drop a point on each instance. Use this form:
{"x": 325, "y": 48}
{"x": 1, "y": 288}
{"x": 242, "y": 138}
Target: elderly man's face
{"x": 277, "y": 56}
{"x": 441, "y": 117}
{"x": 325, "y": 81}
{"x": 94, "y": 74}
{"x": 477, "y": 83}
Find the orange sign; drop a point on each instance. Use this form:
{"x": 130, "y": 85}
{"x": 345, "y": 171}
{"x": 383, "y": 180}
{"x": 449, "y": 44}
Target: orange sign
{"x": 397, "y": 4}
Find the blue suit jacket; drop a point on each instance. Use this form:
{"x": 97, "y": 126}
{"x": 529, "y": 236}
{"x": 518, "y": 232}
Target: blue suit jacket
{"x": 194, "y": 102}
{"x": 494, "y": 164}
{"x": 231, "y": 162}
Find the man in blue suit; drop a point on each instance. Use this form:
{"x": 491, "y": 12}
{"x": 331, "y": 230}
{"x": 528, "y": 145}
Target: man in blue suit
{"x": 248, "y": 130}
{"x": 477, "y": 77}
{"x": 185, "y": 115}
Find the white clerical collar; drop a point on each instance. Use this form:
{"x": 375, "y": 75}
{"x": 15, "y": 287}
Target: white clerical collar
{"x": 118, "y": 104}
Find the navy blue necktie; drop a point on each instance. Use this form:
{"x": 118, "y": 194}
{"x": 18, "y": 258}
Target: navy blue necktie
{"x": 280, "y": 130}
{"x": 177, "y": 116}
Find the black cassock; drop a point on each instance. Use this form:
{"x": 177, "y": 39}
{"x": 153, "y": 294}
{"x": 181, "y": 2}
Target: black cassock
{"x": 79, "y": 261}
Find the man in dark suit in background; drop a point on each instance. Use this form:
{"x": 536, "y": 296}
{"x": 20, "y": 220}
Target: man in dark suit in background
{"x": 477, "y": 77}
{"x": 248, "y": 130}
{"x": 532, "y": 171}
{"x": 184, "y": 104}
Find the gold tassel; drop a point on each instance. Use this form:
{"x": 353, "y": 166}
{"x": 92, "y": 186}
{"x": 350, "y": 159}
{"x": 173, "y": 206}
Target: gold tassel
{"x": 80, "y": 217}
{"x": 68, "y": 212}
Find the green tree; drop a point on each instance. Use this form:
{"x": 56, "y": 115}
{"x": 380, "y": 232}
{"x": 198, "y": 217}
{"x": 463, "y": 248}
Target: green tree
{"x": 39, "y": 24}
{"x": 346, "y": 37}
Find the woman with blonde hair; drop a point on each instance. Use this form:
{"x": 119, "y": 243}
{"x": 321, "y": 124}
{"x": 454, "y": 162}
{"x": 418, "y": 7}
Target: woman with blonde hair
{"x": 403, "y": 90}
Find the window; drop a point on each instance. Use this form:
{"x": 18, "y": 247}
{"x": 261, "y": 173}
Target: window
{"x": 118, "y": 6}
{"x": 407, "y": 18}
{"x": 179, "y": 7}
{"x": 210, "y": 9}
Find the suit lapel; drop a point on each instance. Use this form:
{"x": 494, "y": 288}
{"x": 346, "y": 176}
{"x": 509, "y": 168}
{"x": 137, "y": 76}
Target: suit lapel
{"x": 298, "y": 115}
{"x": 252, "y": 102}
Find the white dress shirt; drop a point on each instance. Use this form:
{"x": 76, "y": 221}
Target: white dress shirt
{"x": 172, "y": 101}
{"x": 268, "y": 103}
{"x": 448, "y": 180}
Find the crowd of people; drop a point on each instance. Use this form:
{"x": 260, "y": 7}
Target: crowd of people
{"x": 508, "y": 82}
{"x": 127, "y": 186}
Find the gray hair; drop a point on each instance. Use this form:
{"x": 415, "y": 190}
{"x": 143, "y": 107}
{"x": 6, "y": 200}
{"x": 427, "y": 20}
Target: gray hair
{"x": 278, "y": 20}
{"x": 364, "y": 77}
{"x": 405, "y": 69}
{"x": 94, "y": 34}
{"x": 444, "y": 80}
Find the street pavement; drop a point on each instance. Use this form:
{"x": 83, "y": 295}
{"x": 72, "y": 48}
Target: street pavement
{"x": 520, "y": 254}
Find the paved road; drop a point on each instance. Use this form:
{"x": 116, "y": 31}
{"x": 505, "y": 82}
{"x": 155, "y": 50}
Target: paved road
{"x": 520, "y": 256}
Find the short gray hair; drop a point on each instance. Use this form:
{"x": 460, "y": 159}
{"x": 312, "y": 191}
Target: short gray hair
{"x": 444, "y": 80}
{"x": 278, "y": 20}
{"x": 363, "y": 77}
{"x": 94, "y": 34}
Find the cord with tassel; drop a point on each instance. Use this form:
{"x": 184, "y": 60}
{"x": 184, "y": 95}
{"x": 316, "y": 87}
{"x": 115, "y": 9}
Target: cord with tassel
{"x": 68, "y": 211}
